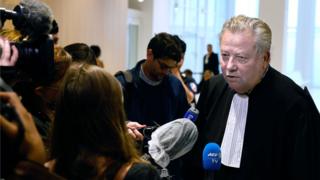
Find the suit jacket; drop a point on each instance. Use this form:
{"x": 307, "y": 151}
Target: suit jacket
{"x": 212, "y": 64}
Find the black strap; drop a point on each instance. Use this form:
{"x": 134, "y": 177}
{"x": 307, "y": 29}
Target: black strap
{"x": 126, "y": 74}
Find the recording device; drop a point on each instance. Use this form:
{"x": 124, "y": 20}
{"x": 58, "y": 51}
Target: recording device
{"x": 211, "y": 159}
{"x": 33, "y": 19}
{"x": 147, "y": 131}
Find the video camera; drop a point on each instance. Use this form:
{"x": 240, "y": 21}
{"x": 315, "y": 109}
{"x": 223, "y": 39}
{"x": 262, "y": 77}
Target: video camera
{"x": 146, "y": 132}
{"x": 33, "y": 19}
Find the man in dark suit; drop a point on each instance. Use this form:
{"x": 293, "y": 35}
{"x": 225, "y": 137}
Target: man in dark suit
{"x": 211, "y": 61}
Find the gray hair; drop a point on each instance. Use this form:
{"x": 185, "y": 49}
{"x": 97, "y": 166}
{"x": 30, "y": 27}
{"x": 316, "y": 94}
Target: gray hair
{"x": 260, "y": 29}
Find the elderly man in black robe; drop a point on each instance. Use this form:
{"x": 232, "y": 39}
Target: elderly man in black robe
{"x": 266, "y": 125}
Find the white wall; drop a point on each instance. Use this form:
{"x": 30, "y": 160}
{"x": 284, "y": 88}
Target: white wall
{"x": 161, "y": 16}
{"x": 102, "y": 22}
{"x": 272, "y": 12}
{"x": 146, "y": 27}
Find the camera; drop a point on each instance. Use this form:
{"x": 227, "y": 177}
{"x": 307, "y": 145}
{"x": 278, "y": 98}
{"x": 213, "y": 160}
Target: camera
{"x": 16, "y": 16}
{"x": 147, "y": 131}
{"x": 36, "y": 49}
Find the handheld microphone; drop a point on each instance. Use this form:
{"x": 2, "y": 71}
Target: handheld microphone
{"x": 211, "y": 159}
{"x": 192, "y": 114}
{"x": 32, "y": 18}
{"x": 38, "y": 16}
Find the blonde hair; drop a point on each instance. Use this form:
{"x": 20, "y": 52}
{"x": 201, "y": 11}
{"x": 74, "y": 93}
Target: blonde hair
{"x": 62, "y": 61}
{"x": 11, "y": 34}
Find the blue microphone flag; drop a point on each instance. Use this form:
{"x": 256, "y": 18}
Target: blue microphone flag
{"x": 211, "y": 157}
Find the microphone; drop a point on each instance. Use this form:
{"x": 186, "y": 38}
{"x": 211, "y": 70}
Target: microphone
{"x": 211, "y": 159}
{"x": 32, "y": 18}
{"x": 192, "y": 114}
{"x": 39, "y": 17}
{"x": 172, "y": 140}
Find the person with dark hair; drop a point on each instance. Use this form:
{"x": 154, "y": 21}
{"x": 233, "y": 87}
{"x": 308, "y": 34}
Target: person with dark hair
{"x": 211, "y": 61}
{"x": 44, "y": 101}
{"x": 97, "y": 52}
{"x": 151, "y": 82}
{"x": 96, "y": 49}
{"x": 268, "y": 127}
{"x": 152, "y": 95}
{"x": 207, "y": 74}
{"x": 81, "y": 52}
{"x": 54, "y": 32}
{"x": 90, "y": 139}
{"x": 188, "y": 83}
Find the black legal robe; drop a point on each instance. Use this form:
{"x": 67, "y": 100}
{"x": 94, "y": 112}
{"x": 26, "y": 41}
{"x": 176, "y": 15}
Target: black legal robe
{"x": 282, "y": 135}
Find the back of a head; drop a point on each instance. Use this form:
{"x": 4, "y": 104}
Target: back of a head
{"x": 259, "y": 28}
{"x": 62, "y": 61}
{"x": 172, "y": 140}
{"x": 54, "y": 31}
{"x": 89, "y": 107}
{"x": 96, "y": 50}
{"x": 81, "y": 52}
{"x": 164, "y": 46}
{"x": 181, "y": 44}
{"x": 55, "y": 27}
{"x": 188, "y": 72}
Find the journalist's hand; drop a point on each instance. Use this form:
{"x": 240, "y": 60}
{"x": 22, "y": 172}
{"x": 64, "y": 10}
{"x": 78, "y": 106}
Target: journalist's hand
{"x": 7, "y": 58}
{"x": 32, "y": 146}
{"x": 133, "y": 129}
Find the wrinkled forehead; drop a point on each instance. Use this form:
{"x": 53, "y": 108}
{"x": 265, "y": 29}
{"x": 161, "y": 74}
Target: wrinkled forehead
{"x": 244, "y": 40}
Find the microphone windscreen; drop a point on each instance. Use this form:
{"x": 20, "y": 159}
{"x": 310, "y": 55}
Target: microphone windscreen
{"x": 38, "y": 16}
{"x": 211, "y": 157}
{"x": 172, "y": 140}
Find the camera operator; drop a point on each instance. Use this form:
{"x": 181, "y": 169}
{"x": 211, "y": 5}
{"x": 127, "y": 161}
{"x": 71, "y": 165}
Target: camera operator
{"x": 38, "y": 75}
{"x": 33, "y": 20}
{"x": 19, "y": 136}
